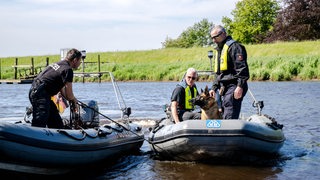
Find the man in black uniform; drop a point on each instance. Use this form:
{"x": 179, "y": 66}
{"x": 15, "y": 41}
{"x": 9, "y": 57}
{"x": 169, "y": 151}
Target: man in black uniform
{"x": 232, "y": 72}
{"x": 57, "y": 77}
{"x": 181, "y": 107}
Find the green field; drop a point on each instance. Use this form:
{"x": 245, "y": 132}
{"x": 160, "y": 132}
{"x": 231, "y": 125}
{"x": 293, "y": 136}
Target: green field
{"x": 281, "y": 61}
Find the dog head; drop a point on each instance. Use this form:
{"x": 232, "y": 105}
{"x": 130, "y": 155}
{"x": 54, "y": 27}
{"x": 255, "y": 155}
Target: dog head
{"x": 204, "y": 100}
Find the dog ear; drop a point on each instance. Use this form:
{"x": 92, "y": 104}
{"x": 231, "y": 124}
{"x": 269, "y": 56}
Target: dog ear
{"x": 206, "y": 91}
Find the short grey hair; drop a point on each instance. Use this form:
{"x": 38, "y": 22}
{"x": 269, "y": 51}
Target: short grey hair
{"x": 219, "y": 28}
{"x": 192, "y": 70}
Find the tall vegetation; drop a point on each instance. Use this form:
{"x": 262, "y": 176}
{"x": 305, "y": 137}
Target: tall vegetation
{"x": 258, "y": 21}
{"x": 250, "y": 24}
{"x": 298, "y": 20}
{"x": 279, "y": 61}
{"x": 195, "y": 36}
{"x": 252, "y": 19}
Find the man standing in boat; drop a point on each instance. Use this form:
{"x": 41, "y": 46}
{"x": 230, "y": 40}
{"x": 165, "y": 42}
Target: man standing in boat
{"x": 232, "y": 72}
{"x": 181, "y": 108}
{"x": 57, "y": 77}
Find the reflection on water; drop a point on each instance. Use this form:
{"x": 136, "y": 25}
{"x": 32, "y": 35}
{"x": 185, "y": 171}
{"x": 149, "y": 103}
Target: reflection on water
{"x": 293, "y": 104}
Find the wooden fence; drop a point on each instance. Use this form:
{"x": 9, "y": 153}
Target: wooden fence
{"x": 26, "y": 72}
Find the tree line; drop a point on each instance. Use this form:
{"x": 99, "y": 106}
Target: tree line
{"x": 258, "y": 21}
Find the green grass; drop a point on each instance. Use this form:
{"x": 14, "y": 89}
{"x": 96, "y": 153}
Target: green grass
{"x": 284, "y": 61}
{"x": 281, "y": 61}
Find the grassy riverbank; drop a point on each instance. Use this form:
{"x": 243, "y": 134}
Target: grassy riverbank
{"x": 277, "y": 62}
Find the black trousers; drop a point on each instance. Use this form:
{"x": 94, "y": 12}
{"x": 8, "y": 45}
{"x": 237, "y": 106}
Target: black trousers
{"x": 232, "y": 106}
{"x": 45, "y": 112}
{"x": 187, "y": 115}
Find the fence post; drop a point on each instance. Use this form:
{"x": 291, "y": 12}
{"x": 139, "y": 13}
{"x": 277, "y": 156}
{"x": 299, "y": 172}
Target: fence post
{"x": 16, "y": 68}
{"x": 99, "y": 68}
{"x": 47, "y": 61}
{"x": 0, "y": 69}
{"x": 32, "y": 66}
{"x": 83, "y": 56}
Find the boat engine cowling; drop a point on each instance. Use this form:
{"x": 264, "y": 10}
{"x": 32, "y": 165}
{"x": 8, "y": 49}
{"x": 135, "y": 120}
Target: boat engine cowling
{"x": 89, "y": 114}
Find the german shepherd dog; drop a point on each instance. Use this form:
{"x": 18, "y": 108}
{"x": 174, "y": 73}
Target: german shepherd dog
{"x": 208, "y": 105}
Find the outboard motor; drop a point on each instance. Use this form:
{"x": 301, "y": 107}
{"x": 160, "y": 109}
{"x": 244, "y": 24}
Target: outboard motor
{"x": 89, "y": 115}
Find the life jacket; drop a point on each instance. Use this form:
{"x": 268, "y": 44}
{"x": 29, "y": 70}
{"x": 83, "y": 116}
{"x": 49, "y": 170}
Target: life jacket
{"x": 60, "y": 102}
{"x": 188, "y": 95}
{"x": 223, "y": 57}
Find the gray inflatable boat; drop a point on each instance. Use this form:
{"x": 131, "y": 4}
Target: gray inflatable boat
{"x": 196, "y": 140}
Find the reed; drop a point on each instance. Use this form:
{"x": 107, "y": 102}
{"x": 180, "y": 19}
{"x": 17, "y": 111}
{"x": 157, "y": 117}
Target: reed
{"x": 281, "y": 61}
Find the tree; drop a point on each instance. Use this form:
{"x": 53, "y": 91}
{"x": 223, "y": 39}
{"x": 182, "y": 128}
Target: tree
{"x": 197, "y": 35}
{"x": 298, "y": 20}
{"x": 252, "y": 19}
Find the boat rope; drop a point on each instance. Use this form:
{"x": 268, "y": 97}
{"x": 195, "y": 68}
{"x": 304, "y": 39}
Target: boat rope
{"x": 73, "y": 137}
{"x": 254, "y": 99}
{"x": 157, "y": 126}
{"x": 96, "y": 133}
{"x": 119, "y": 124}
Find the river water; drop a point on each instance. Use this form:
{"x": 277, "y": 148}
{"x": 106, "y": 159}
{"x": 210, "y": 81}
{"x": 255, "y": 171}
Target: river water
{"x": 296, "y": 105}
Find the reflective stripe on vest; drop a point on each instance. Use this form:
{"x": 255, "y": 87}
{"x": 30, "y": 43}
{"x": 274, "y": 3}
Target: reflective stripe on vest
{"x": 223, "y": 57}
{"x": 188, "y": 96}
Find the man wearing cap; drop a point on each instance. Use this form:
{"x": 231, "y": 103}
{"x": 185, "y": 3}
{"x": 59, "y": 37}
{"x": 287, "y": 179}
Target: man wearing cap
{"x": 232, "y": 72}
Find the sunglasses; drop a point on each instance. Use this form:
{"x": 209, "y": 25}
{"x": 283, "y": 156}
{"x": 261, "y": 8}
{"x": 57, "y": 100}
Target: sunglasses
{"x": 190, "y": 77}
{"x": 213, "y": 37}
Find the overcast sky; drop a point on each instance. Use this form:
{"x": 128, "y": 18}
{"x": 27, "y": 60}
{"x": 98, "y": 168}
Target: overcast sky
{"x": 43, "y": 27}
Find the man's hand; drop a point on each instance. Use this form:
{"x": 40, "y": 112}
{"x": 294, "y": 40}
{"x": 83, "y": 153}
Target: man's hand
{"x": 74, "y": 105}
{"x": 238, "y": 92}
{"x": 212, "y": 93}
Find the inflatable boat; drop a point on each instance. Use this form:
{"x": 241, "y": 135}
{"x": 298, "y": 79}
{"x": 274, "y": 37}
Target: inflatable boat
{"x": 20, "y": 143}
{"x": 197, "y": 140}
{"x": 84, "y": 141}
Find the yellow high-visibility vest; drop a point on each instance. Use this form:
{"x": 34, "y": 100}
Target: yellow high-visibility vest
{"x": 188, "y": 96}
{"x": 223, "y": 57}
